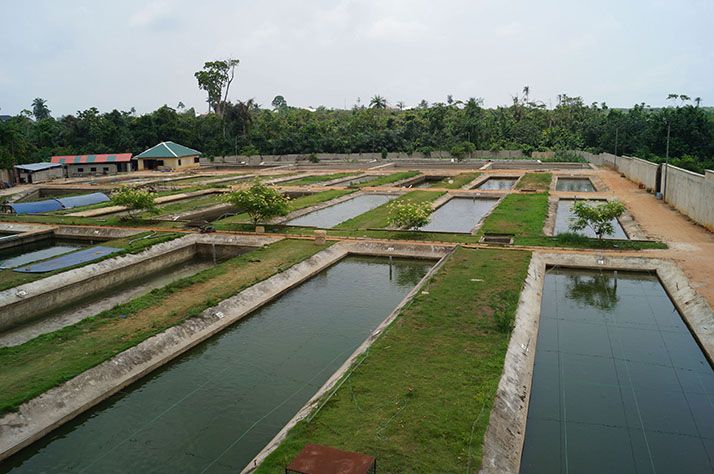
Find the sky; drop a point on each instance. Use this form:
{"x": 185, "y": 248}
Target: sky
{"x": 78, "y": 54}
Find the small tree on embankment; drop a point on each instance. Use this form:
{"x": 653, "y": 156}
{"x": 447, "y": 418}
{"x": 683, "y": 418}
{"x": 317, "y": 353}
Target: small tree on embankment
{"x": 260, "y": 202}
{"x": 135, "y": 200}
{"x": 409, "y": 215}
{"x": 597, "y": 217}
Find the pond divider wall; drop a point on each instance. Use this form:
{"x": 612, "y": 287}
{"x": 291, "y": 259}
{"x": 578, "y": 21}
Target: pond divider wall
{"x": 39, "y": 416}
{"x": 503, "y": 442}
{"x": 33, "y": 300}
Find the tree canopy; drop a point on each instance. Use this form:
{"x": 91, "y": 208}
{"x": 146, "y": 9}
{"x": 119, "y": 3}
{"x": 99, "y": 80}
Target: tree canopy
{"x": 260, "y": 202}
{"x": 598, "y": 217}
{"x": 525, "y": 124}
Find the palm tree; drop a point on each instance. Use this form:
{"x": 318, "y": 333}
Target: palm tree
{"x": 697, "y": 100}
{"x": 40, "y": 109}
{"x": 401, "y": 105}
{"x": 378, "y": 102}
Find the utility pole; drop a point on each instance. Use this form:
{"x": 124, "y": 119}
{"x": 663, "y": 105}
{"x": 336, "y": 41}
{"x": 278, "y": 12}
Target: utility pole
{"x": 666, "y": 163}
{"x": 617, "y": 133}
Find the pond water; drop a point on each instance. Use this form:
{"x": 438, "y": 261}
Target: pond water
{"x": 564, "y": 215}
{"x": 215, "y": 407}
{"x": 581, "y": 185}
{"x": 353, "y": 181}
{"x": 619, "y": 383}
{"x": 332, "y": 215}
{"x": 498, "y": 183}
{"x": 459, "y": 215}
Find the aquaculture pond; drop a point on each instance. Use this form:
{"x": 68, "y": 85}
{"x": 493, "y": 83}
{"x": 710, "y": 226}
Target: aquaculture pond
{"x": 14, "y": 257}
{"x": 497, "y": 184}
{"x": 581, "y": 185}
{"x": 619, "y": 383}
{"x": 564, "y": 216}
{"x": 215, "y": 407}
{"x": 459, "y": 215}
{"x": 96, "y": 302}
{"x": 332, "y": 215}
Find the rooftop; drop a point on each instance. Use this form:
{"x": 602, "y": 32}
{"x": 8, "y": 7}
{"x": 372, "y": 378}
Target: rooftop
{"x": 168, "y": 150}
{"x": 36, "y": 166}
{"x": 102, "y": 158}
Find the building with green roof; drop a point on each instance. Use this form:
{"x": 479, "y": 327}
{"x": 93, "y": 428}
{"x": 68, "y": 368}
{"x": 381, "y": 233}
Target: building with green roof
{"x": 168, "y": 156}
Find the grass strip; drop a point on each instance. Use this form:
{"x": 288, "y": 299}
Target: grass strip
{"x": 48, "y": 360}
{"x": 379, "y": 216}
{"x": 457, "y": 181}
{"x": 537, "y": 181}
{"x": 316, "y": 179}
{"x": 387, "y": 179}
{"x": 520, "y": 214}
{"x": 420, "y": 399}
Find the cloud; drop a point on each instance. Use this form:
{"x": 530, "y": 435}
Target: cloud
{"x": 393, "y": 29}
{"x": 157, "y": 14}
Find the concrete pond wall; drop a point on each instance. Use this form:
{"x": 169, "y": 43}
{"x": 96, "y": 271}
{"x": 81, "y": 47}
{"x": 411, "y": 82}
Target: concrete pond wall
{"x": 39, "y": 416}
{"x": 31, "y": 301}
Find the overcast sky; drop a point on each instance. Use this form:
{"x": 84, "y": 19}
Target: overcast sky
{"x": 142, "y": 54}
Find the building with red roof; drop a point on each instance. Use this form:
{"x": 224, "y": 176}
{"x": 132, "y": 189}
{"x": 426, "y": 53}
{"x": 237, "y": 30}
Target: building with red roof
{"x": 93, "y": 165}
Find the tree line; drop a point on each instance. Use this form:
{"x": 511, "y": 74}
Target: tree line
{"x": 244, "y": 127}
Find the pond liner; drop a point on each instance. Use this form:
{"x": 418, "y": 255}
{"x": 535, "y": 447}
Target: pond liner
{"x": 69, "y": 260}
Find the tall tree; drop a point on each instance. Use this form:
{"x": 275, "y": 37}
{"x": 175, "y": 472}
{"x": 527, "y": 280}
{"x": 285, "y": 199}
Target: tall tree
{"x": 378, "y": 102}
{"x": 216, "y": 78}
{"x": 39, "y": 109}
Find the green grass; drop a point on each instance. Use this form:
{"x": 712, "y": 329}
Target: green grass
{"x": 11, "y": 279}
{"x": 48, "y": 360}
{"x": 538, "y": 181}
{"x": 316, "y": 179}
{"x": 420, "y": 399}
{"x": 520, "y": 214}
{"x": 190, "y": 204}
{"x": 293, "y": 205}
{"x": 379, "y": 216}
{"x": 390, "y": 178}
{"x": 458, "y": 181}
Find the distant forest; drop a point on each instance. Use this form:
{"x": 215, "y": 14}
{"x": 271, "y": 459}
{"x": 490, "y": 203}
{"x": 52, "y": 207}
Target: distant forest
{"x": 458, "y": 126}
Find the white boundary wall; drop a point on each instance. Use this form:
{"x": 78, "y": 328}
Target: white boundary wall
{"x": 691, "y": 194}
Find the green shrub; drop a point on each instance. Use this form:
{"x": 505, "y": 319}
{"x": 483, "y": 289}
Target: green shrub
{"x": 409, "y": 215}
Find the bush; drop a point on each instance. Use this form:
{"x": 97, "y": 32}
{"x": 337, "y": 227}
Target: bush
{"x": 260, "y": 202}
{"x": 312, "y": 158}
{"x": 597, "y": 217}
{"x": 384, "y": 153}
{"x": 409, "y": 215}
{"x": 135, "y": 200}
{"x": 565, "y": 156}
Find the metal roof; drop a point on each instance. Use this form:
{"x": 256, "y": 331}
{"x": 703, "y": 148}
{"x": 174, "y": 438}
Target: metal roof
{"x": 50, "y": 205}
{"x": 68, "y": 260}
{"x": 36, "y": 207}
{"x": 168, "y": 150}
{"x": 83, "y": 200}
{"x": 37, "y": 166}
{"x": 88, "y": 159}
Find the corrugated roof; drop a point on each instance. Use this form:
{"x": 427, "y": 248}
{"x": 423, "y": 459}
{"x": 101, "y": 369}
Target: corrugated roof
{"x": 35, "y": 207}
{"x": 36, "y": 166}
{"x": 168, "y": 150}
{"x": 83, "y": 200}
{"x": 50, "y": 205}
{"x": 88, "y": 159}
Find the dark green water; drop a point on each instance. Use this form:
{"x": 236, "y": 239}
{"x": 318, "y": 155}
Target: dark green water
{"x": 581, "y": 185}
{"x": 564, "y": 215}
{"x": 217, "y": 406}
{"x": 619, "y": 383}
{"x": 332, "y": 215}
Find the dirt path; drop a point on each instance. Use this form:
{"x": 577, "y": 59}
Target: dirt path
{"x": 691, "y": 245}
